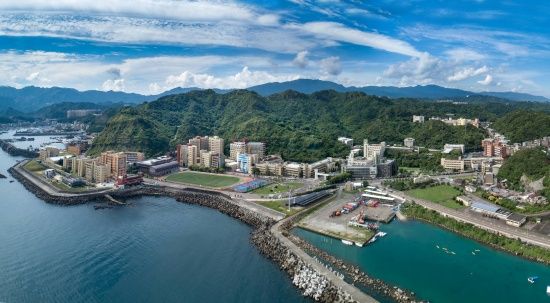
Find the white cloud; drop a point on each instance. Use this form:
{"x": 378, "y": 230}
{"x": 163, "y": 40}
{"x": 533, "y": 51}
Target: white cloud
{"x": 331, "y": 66}
{"x": 164, "y": 9}
{"x": 487, "y": 81}
{"x": 339, "y": 32}
{"x": 301, "y": 59}
{"x": 32, "y": 76}
{"x": 466, "y": 73}
{"x": 134, "y": 75}
{"x": 243, "y": 79}
{"x": 464, "y": 54}
{"x": 138, "y": 30}
{"x": 114, "y": 85}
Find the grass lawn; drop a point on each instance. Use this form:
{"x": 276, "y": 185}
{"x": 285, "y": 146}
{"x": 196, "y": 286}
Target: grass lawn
{"x": 441, "y": 194}
{"x": 34, "y": 166}
{"x": 209, "y": 180}
{"x": 280, "y": 206}
{"x": 277, "y": 188}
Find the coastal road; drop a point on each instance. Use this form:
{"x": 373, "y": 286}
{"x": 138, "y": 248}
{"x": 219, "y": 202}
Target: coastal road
{"x": 255, "y": 207}
{"x": 492, "y": 225}
{"x": 49, "y": 188}
{"x": 355, "y": 292}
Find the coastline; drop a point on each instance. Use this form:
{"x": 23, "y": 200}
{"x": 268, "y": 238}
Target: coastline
{"x": 479, "y": 239}
{"x": 305, "y": 277}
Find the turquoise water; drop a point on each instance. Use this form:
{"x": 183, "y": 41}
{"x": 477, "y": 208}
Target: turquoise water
{"x": 156, "y": 250}
{"x": 408, "y": 257}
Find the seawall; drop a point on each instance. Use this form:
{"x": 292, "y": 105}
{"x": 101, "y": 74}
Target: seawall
{"x": 15, "y": 151}
{"x": 303, "y": 275}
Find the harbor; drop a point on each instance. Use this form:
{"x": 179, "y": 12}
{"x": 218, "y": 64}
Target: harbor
{"x": 352, "y": 218}
{"x": 460, "y": 270}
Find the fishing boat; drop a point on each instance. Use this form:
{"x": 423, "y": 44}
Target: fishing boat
{"x": 347, "y": 242}
{"x": 358, "y": 244}
{"x": 532, "y": 279}
{"x": 381, "y": 234}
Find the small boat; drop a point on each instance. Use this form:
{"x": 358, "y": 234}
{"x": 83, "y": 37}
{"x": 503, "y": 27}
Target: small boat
{"x": 477, "y": 250}
{"x": 437, "y": 246}
{"x": 532, "y": 279}
{"x": 381, "y": 234}
{"x": 358, "y": 244}
{"x": 548, "y": 290}
{"x": 347, "y": 242}
{"x": 473, "y": 253}
{"x": 452, "y": 252}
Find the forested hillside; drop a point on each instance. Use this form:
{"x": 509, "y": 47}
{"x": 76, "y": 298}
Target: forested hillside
{"x": 298, "y": 126}
{"x": 523, "y": 125}
{"x": 533, "y": 163}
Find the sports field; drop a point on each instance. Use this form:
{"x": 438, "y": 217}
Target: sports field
{"x": 277, "y": 188}
{"x": 208, "y": 180}
{"x": 441, "y": 194}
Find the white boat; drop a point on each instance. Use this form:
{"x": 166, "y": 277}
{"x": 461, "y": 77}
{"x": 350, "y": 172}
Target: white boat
{"x": 381, "y": 234}
{"x": 358, "y": 244}
{"x": 347, "y": 242}
{"x": 548, "y": 289}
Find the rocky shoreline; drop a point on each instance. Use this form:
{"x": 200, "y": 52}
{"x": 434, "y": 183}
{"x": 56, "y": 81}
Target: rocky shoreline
{"x": 311, "y": 283}
{"x": 350, "y": 271}
{"x": 15, "y": 151}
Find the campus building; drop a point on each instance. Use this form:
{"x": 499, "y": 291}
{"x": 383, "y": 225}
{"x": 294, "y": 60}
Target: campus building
{"x": 372, "y": 151}
{"x": 236, "y": 148}
{"x": 116, "y": 161}
{"x": 494, "y": 148}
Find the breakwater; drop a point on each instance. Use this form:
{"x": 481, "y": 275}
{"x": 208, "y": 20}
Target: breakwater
{"x": 350, "y": 271}
{"x": 312, "y": 283}
{"x": 17, "y": 152}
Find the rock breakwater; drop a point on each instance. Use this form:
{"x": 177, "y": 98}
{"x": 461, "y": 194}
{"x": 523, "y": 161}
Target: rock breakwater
{"x": 17, "y": 152}
{"x": 312, "y": 283}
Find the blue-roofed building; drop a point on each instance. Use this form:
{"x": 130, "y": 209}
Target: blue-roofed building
{"x": 490, "y": 210}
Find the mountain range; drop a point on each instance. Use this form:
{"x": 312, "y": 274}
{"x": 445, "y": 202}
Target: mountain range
{"x": 31, "y": 98}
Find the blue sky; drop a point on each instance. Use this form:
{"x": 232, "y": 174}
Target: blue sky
{"x": 148, "y": 46}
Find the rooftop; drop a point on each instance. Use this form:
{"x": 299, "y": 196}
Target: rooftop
{"x": 485, "y": 206}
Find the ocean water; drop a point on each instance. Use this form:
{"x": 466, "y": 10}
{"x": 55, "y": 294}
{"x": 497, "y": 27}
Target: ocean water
{"x": 155, "y": 250}
{"x": 408, "y": 257}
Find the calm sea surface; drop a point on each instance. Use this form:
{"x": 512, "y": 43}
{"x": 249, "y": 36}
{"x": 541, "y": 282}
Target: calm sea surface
{"x": 156, "y": 250}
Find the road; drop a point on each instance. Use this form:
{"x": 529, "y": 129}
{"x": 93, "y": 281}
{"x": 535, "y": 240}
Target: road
{"x": 50, "y": 189}
{"x": 492, "y": 225}
{"x": 236, "y": 198}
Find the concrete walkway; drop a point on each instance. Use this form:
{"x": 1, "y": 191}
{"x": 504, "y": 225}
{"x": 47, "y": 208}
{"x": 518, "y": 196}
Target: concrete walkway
{"x": 255, "y": 207}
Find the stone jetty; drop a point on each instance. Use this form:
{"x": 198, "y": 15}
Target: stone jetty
{"x": 310, "y": 281}
{"x": 17, "y": 152}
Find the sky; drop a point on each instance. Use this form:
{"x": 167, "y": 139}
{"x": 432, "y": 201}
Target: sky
{"x": 149, "y": 46}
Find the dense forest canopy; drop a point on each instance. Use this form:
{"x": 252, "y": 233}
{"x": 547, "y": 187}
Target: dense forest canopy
{"x": 300, "y": 127}
{"x": 524, "y": 125}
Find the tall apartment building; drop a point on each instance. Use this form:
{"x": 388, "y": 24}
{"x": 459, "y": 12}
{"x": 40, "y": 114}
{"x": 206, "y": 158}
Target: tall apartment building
{"x": 257, "y": 148}
{"x": 182, "y": 152}
{"x": 372, "y": 151}
{"x": 192, "y": 155}
{"x": 236, "y": 148}
{"x": 494, "y": 148}
{"x": 101, "y": 173}
{"x": 205, "y": 158}
{"x": 202, "y": 143}
{"x": 116, "y": 161}
{"x": 215, "y": 145}
{"x": 133, "y": 157}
